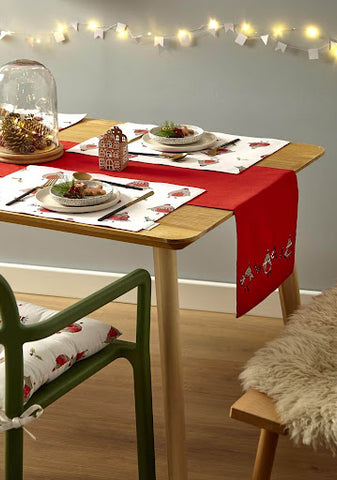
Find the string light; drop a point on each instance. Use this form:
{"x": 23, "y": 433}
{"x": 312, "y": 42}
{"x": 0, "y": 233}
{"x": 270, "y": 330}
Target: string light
{"x": 333, "y": 48}
{"x": 312, "y": 32}
{"x": 278, "y": 31}
{"x": 61, "y": 28}
{"x": 185, "y": 37}
{"x": 123, "y": 34}
{"x": 182, "y": 33}
{"x": 213, "y": 24}
{"x": 92, "y": 25}
{"x": 246, "y": 28}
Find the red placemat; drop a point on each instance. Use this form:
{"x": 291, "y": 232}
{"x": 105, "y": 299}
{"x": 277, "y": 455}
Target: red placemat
{"x": 264, "y": 201}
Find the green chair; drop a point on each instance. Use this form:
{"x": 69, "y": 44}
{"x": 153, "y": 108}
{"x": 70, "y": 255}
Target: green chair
{"x": 13, "y": 334}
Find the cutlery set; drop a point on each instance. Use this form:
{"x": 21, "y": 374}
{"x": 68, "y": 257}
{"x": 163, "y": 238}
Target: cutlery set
{"x": 52, "y": 181}
{"x": 180, "y": 156}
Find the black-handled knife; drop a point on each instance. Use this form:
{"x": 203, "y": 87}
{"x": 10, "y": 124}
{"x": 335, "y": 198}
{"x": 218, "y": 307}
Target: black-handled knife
{"x": 148, "y": 194}
{"x": 227, "y": 144}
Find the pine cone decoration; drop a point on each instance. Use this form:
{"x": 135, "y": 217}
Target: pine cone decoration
{"x": 35, "y": 127}
{"x": 12, "y": 136}
{"x": 3, "y": 112}
{"x": 24, "y": 135}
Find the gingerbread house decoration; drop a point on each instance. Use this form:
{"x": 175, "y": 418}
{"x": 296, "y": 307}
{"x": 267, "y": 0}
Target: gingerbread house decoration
{"x": 113, "y": 150}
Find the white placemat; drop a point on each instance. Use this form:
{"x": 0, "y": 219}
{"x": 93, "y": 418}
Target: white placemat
{"x": 66, "y": 120}
{"x": 234, "y": 159}
{"x": 141, "y": 216}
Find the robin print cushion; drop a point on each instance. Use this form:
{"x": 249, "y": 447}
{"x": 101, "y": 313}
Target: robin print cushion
{"x": 48, "y": 358}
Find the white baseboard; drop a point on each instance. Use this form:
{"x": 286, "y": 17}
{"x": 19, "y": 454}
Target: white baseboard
{"x": 193, "y": 294}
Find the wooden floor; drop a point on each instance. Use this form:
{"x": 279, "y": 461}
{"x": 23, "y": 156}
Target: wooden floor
{"x": 90, "y": 433}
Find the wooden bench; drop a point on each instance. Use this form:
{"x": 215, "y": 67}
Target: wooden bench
{"x": 257, "y": 409}
{"x": 298, "y": 368}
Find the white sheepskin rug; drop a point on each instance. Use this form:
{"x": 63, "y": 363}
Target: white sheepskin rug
{"x": 298, "y": 370}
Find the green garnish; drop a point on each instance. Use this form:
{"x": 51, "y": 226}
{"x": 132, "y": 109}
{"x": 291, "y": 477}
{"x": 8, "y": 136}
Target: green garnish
{"x": 62, "y": 188}
{"x": 170, "y": 130}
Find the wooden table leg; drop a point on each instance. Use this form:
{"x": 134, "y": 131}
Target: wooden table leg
{"x": 165, "y": 266}
{"x": 289, "y": 293}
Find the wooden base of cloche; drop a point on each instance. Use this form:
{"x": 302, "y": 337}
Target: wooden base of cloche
{"x": 21, "y": 159}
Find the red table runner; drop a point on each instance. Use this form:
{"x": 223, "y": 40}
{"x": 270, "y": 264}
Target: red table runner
{"x": 263, "y": 199}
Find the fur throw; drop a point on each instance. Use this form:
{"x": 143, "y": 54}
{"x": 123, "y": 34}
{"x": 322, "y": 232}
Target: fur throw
{"x": 298, "y": 370}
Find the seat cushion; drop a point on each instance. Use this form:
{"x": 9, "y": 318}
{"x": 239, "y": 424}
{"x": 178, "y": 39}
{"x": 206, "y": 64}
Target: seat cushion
{"x": 48, "y": 358}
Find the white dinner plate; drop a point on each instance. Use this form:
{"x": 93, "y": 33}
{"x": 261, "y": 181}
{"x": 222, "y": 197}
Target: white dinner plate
{"x": 186, "y": 140}
{"x": 85, "y": 201}
{"x": 47, "y": 201}
{"x": 207, "y": 140}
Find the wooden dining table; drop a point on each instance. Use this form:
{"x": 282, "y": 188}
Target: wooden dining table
{"x": 175, "y": 231}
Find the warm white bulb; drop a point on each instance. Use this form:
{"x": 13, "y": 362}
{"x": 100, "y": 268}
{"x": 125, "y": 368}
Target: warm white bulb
{"x": 213, "y": 24}
{"x": 149, "y": 34}
{"x": 92, "y": 25}
{"x": 185, "y": 38}
{"x": 123, "y": 33}
{"x": 61, "y": 28}
{"x": 38, "y": 40}
{"x": 312, "y": 32}
{"x": 278, "y": 31}
{"x": 246, "y": 27}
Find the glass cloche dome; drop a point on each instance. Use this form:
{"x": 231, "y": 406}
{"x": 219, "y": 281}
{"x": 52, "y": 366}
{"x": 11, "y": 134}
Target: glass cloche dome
{"x": 28, "y": 113}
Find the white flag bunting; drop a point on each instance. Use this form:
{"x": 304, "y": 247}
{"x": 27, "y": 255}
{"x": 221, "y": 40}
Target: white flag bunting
{"x": 99, "y": 33}
{"x": 5, "y": 33}
{"x": 241, "y": 39}
{"x": 281, "y": 46}
{"x": 264, "y": 38}
{"x": 158, "y": 41}
{"x": 121, "y": 27}
{"x": 74, "y": 25}
{"x": 313, "y": 53}
{"x": 229, "y": 26}
{"x": 59, "y": 37}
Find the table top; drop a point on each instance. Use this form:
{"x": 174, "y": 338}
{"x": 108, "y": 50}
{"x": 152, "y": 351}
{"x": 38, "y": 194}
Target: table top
{"x": 181, "y": 227}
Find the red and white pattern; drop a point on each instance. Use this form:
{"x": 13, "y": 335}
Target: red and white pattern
{"x": 141, "y": 216}
{"x": 47, "y": 359}
{"x": 182, "y": 192}
{"x": 237, "y": 158}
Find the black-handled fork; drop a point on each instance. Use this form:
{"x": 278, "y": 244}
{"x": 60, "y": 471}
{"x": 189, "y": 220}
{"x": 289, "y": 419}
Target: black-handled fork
{"x": 49, "y": 183}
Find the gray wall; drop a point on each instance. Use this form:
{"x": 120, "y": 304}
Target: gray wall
{"x": 216, "y": 84}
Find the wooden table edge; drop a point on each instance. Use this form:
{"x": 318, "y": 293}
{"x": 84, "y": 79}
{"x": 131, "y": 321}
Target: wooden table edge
{"x": 143, "y": 237}
{"x": 180, "y": 228}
